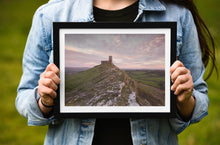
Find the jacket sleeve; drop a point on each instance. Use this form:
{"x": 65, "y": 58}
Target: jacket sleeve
{"x": 35, "y": 60}
{"x": 189, "y": 54}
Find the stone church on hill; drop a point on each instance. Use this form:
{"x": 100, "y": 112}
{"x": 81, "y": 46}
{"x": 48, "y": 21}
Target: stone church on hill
{"x": 109, "y": 61}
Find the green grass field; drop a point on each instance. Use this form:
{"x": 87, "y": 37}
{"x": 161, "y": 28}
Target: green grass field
{"x": 15, "y": 22}
{"x": 153, "y": 78}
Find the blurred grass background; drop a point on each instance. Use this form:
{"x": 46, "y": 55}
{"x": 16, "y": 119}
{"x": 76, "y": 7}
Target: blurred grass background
{"x": 15, "y": 22}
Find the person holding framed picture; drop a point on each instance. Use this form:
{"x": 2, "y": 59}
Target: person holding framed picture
{"x": 40, "y": 79}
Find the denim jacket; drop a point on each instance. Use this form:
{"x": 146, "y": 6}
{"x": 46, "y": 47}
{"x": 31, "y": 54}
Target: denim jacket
{"x": 147, "y": 131}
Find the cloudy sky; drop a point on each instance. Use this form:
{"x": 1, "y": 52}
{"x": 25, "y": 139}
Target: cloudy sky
{"x": 131, "y": 51}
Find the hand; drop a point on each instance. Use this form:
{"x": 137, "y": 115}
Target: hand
{"x": 183, "y": 88}
{"x": 47, "y": 86}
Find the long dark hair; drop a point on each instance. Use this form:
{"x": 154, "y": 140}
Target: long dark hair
{"x": 205, "y": 37}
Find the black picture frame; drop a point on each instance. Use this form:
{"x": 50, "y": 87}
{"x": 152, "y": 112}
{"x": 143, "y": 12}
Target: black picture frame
{"x": 65, "y": 32}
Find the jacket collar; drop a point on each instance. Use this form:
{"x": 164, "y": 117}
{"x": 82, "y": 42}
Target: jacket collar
{"x": 151, "y": 5}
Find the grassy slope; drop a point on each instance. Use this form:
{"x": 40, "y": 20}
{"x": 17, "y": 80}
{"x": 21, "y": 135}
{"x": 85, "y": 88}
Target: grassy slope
{"x": 15, "y": 22}
{"x": 101, "y": 78}
{"x": 150, "y": 86}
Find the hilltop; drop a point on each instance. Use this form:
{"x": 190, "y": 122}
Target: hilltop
{"x": 107, "y": 85}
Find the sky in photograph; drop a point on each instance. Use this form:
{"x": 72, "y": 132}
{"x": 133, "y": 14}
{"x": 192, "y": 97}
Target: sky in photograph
{"x": 129, "y": 51}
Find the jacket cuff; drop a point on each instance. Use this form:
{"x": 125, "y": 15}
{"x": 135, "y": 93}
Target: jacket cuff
{"x": 201, "y": 106}
{"x": 35, "y": 116}
{"x": 199, "y": 112}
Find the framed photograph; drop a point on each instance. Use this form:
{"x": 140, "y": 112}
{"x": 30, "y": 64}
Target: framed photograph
{"x": 114, "y": 69}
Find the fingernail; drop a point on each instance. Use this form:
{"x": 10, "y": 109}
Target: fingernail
{"x": 172, "y": 88}
{"x": 175, "y": 93}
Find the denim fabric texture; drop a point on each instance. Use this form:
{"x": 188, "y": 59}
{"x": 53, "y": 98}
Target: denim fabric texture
{"x": 39, "y": 53}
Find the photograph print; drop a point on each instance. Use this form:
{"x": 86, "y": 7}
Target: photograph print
{"x": 114, "y": 69}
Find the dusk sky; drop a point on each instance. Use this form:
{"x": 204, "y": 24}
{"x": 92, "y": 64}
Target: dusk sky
{"x": 130, "y": 51}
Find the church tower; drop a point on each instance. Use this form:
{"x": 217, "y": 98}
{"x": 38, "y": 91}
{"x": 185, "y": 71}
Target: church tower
{"x": 110, "y": 59}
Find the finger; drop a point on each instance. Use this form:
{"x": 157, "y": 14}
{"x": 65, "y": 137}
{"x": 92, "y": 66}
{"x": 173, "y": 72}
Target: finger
{"x": 45, "y": 91}
{"x": 53, "y": 67}
{"x": 179, "y": 71}
{"x": 42, "y": 75}
{"x": 179, "y": 80}
{"x": 49, "y": 83}
{"x": 175, "y": 65}
{"x": 52, "y": 75}
{"x": 188, "y": 87}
